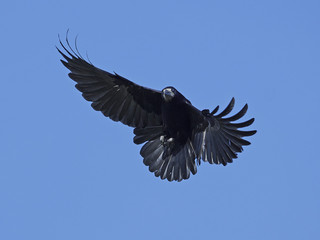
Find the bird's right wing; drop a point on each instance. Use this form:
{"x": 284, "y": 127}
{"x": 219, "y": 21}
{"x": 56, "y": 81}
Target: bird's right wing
{"x": 113, "y": 95}
{"x": 214, "y": 139}
{"x": 217, "y": 139}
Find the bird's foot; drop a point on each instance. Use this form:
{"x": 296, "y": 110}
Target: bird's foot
{"x": 170, "y": 140}
{"x": 164, "y": 139}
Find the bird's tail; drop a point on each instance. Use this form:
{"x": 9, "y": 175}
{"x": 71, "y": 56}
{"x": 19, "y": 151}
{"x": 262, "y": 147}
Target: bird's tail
{"x": 169, "y": 159}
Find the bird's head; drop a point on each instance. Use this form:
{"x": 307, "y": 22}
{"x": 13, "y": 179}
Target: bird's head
{"x": 169, "y": 93}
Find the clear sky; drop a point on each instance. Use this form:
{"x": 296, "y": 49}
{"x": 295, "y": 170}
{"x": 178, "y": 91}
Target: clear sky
{"x": 67, "y": 172}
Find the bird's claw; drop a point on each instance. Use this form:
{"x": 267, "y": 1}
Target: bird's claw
{"x": 170, "y": 140}
{"x": 165, "y": 140}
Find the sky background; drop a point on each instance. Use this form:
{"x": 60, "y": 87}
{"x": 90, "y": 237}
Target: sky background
{"x": 67, "y": 172}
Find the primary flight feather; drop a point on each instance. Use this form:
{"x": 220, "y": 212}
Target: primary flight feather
{"x": 176, "y": 133}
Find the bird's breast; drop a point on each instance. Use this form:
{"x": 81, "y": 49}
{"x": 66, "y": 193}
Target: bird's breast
{"x": 176, "y": 120}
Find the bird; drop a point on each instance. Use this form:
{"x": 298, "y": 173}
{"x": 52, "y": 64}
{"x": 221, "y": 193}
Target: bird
{"x": 176, "y": 135}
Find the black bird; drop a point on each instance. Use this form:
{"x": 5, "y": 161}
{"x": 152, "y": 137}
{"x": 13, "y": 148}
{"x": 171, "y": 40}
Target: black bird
{"x": 176, "y": 133}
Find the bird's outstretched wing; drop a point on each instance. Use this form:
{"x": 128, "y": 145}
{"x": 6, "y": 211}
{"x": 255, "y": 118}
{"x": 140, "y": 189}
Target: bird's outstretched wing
{"x": 113, "y": 95}
{"x": 219, "y": 139}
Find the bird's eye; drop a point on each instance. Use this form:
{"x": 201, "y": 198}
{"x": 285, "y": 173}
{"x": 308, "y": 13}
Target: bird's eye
{"x": 173, "y": 90}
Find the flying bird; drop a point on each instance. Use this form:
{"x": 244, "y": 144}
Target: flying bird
{"x": 176, "y": 134}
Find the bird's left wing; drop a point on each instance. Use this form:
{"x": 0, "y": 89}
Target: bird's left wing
{"x": 217, "y": 139}
{"x": 115, "y": 96}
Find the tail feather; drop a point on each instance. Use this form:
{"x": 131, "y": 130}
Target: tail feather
{"x": 169, "y": 160}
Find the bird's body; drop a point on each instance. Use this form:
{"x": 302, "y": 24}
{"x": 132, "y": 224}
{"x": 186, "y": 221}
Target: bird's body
{"x": 176, "y": 119}
{"x": 176, "y": 133}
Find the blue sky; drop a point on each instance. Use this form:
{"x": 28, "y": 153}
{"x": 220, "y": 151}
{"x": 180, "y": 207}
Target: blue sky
{"x": 67, "y": 172}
